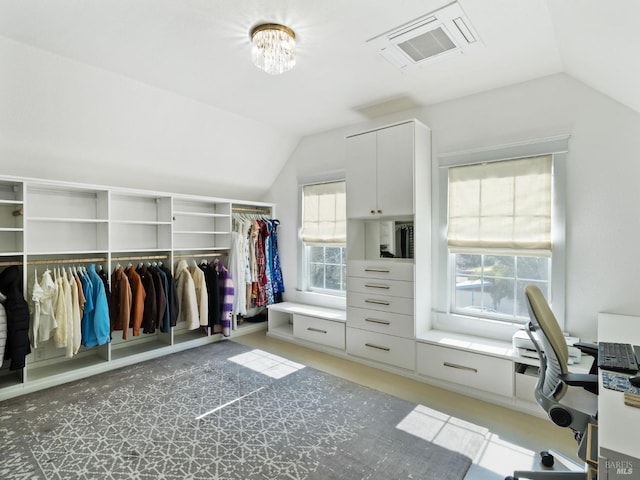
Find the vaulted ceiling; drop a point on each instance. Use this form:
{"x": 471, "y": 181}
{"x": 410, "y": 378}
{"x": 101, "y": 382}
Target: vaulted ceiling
{"x": 199, "y": 49}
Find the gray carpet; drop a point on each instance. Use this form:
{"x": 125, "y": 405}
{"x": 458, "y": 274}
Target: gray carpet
{"x": 140, "y": 422}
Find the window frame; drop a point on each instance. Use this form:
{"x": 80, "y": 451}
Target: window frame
{"x": 324, "y": 291}
{"x": 444, "y": 317}
{"x": 323, "y": 296}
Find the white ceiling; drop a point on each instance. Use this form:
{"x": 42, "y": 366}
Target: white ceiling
{"x": 200, "y": 49}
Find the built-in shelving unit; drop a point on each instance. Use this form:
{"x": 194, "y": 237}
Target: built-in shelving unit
{"x": 201, "y": 224}
{"x": 11, "y": 219}
{"x": 140, "y": 222}
{"x": 66, "y": 220}
{"x": 61, "y": 225}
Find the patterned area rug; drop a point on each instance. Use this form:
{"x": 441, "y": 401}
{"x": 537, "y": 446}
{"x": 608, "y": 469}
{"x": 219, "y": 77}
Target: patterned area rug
{"x": 199, "y": 415}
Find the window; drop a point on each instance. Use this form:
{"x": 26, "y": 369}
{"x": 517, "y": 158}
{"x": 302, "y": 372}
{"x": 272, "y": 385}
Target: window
{"x": 499, "y": 231}
{"x": 324, "y": 235}
{"x": 493, "y": 285}
{"x": 502, "y": 212}
{"x": 327, "y": 268}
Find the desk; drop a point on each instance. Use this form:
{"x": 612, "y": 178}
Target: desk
{"x": 618, "y": 424}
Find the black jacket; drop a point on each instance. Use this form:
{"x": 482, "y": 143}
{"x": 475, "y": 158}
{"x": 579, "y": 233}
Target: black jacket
{"x": 17, "y": 347}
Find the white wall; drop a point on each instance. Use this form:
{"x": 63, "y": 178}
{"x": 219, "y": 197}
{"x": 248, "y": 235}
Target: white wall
{"x": 603, "y": 194}
{"x": 64, "y": 120}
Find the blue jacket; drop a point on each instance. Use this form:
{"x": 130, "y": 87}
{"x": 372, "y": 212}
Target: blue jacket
{"x": 96, "y": 326}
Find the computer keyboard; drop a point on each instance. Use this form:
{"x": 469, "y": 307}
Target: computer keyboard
{"x": 619, "y": 357}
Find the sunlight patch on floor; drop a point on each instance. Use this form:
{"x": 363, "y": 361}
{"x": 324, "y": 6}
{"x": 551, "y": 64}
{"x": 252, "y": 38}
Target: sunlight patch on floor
{"x": 492, "y": 457}
{"x": 266, "y": 363}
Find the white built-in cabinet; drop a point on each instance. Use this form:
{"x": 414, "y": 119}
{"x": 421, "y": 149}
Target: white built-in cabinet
{"x": 380, "y": 171}
{"x": 47, "y": 224}
{"x": 388, "y": 292}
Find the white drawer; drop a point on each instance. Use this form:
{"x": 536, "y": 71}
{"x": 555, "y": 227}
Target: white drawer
{"x": 392, "y": 270}
{"x": 470, "y": 369}
{"x": 395, "y": 288}
{"x": 319, "y": 330}
{"x": 383, "y": 303}
{"x": 381, "y": 348}
{"x": 381, "y": 322}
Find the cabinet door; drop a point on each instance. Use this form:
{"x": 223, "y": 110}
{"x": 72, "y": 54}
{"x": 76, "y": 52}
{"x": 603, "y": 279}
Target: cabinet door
{"x": 395, "y": 170}
{"x": 361, "y": 175}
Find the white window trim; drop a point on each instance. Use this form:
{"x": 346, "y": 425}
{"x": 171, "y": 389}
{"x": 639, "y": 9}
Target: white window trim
{"x": 443, "y": 318}
{"x": 303, "y": 294}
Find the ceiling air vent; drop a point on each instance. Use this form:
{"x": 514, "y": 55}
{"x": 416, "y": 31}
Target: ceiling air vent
{"x": 431, "y": 37}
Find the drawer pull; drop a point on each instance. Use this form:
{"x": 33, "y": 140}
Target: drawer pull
{"x": 311, "y": 329}
{"x": 460, "y": 367}
{"x": 377, "y": 270}
{"x": 371, "y": 345}
{"x": 377, "y": 302}
{"x": 375, "y": 320}
{"x": 373, "y": 285}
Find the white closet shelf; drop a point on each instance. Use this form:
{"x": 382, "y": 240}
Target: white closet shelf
{"x": 10, "y": 254}
{"x": 199, "y": 232}
{"x": 68, "y": 252}
{"x": 200, "y": 249}
{"x": 67, "y": 220}
{"x": 140, "y": 222}
{"x": 132, "y": 252}
{"x": 11, "y": 202}
{"x": 201, "y": 214}
{"x": 3, "y": 229}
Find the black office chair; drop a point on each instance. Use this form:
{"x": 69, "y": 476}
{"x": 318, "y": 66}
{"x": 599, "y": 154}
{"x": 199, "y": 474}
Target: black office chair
{"x": 554, "y": 382}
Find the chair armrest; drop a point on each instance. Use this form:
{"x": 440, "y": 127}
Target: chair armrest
{"x": 585, "y": 380}
{"x": 590, "y": 349}
{"x": 587, "y": 348}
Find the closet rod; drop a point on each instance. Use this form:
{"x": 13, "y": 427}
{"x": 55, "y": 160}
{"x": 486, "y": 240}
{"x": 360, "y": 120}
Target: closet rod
{"x": 10, "y": 264}
{"x": 57, "y": 261}
{"x": 261, "y": 210}
{"x": 196, "y": 254}
{"x": 142, "y": 257}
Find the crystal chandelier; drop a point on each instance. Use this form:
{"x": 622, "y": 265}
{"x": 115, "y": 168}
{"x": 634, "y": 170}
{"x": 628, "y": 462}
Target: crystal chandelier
{"x": 274, "y": 48}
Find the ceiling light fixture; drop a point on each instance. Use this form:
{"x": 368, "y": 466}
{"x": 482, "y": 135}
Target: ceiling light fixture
{"x": 274, "y": 48}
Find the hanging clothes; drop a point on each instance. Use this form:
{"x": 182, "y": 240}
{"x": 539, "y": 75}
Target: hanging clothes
{"x": 138, "y": 295}
{"x": 105, "y": 281}
{"x": 17, "y": 346}
{"x": 98, "y": 326}
{"x": 150, "y": 313}
{"x": 186, "y": 295}
{"x": 237, "y": 269}
{"x": 213, "y": 295}
{"x": 202, "y": 296}
{"x": 74, "y": 335}
{"x": 166, "y": 316}
{"x": 277, "y": 281}
{"x": 172, "y": 298}
{"x": 62, "y": 312}
{"x": 261, "y": 265}
{"x": 254, "y": 264}
{"x": 121, "y": 301}
{"x": 3, "y": 327}
{"x": 88, "y": 306}
{"x": 43, "y": 294}
{"x": 227, "y": 291}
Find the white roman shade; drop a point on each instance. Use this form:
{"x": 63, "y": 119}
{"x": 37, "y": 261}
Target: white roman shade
{"x": 504, "y": 205}
{"x": 324, "y": 214}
